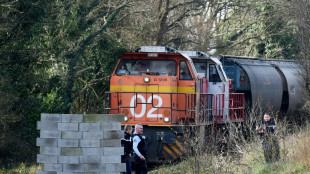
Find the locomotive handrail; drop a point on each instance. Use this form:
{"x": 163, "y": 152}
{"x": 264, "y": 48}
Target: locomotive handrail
{"x": 209, "y": 111}
{"x": 211, "y": 106}
{"x": 236, "y": 106}
{"x": 213, "y": 110}
{"x": 171, "y": 107}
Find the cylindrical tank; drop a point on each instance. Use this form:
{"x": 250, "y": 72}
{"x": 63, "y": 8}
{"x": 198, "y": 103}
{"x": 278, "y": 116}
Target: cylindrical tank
{"x": 272, "y": 85}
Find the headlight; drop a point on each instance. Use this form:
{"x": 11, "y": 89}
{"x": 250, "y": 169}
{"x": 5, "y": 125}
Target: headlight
{"x": 146, "y": 79}
{"x": 125, "y": 118}
{"x": 166, "y": 119}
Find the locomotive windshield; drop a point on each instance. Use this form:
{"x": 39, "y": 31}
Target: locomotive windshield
{"x": 201, "y": 68}
{"x": 146, "y": 66}
{"x": 213, "y": 74}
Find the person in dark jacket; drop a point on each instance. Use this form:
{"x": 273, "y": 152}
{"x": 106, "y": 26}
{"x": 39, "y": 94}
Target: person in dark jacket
{"x": 139, "y": 148}
{"x": 127, "y": 144}
{"x": 270, "y": 143}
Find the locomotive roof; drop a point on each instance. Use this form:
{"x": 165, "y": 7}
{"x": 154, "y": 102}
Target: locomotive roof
{"x": 256, "y": 58}
{"x": 189, "y": 55}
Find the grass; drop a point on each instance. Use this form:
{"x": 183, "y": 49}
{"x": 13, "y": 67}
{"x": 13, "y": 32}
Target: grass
{"x": 281, "y": 168}
{"x": 295, "y": 159}
{"x": 21, "y": 168}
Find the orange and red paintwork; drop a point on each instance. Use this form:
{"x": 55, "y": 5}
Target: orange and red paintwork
{"x": 148, "y": 103}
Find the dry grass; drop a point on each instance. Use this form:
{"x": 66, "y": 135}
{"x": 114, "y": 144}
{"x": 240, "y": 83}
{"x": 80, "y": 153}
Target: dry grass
{"x": 295, "y": 153}
{"x": 298, "y": 146}
{"x": 295, "y": 157}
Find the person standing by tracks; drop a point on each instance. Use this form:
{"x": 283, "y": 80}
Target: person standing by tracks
{"x": 127, "y": 144}
{"x": 270, "y": 143}
{"x": 139, "y": 148}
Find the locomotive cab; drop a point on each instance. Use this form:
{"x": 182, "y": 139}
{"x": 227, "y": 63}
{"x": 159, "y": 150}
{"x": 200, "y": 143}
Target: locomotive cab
{"x": 216, "y": 100}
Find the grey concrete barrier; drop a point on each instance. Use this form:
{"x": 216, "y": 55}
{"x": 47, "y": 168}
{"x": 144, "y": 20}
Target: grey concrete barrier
{"x": 80, "y": 143}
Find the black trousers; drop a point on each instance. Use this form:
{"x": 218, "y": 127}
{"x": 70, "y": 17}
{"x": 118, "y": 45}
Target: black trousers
{"x": 126, "y": 159}
{"x": 140, "y": 166}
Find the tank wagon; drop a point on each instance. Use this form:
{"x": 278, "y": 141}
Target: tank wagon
{"x": 272, "y": 85}
{"x": 167, "y": 90}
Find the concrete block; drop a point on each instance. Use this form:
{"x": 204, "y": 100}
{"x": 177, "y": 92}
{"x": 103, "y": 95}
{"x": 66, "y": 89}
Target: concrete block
{"x": 68, "y": 126}
{"x": 49, "y": 142}
{"x": 110, "y": 159}
{"x": 70, "y": 151}
{"x": 73, "y": 118}
{"x": 68, "y": 143}
{"x": 76, "y": 143}
{"x": 46, "y": 158}
{"x": 71, "y": 135}
{"x": 65, "y": 118}
{"x": 73, "y": 167}
{"x": 103, "y": 118}
{"x": 112, "y": 151}
{"x": 95, "y": 167}
{"x": 91, "y": 151}
{"x": 49, "y": 150}
{"x": 68, "y": 159}
{"x": 120, "y": 167}
{"x": 92, "y": 118}
{"x": 44, "y": 172}
{"x": 87, "y": 159}
{"x": 110, "y": 126}
{"x": 89, "y": 126}
{"x": 77, "y": 118}
{"x": 50, "y": 134}
{"x": 113, "y": 118}
{"x": 113, "y": 134}
{"x": 47, "y": 125}
{"x": 93, "y": 135}
{"x": 110, "y": 143}
{"x": 89, "y": 143}
{"x": 80, "y": 173}
{"x": 52, "y": 167}
{"x": 50, "y": 117}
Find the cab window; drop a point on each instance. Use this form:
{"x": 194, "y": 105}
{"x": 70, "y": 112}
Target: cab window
{"x": 184, "y": 71}
{"x": 213, "y": 74}
{"x": 201, "y": 68}
{"x": 146, "y": 66}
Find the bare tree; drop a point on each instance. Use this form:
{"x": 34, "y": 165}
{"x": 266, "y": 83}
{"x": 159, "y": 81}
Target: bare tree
{"x": 301, "y": 11}
{"x": 296, "y": 13}
{"x": 157, "y": 22}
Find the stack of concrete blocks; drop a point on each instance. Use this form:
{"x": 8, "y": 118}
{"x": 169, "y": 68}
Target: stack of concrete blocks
{"x": 77, "y": 143}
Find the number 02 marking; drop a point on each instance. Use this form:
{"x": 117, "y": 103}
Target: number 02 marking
{"x": 143, "y": 106}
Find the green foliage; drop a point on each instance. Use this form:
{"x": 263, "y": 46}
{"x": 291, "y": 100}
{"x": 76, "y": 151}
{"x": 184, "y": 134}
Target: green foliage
{"x": 55, "y": 55}
{"x": 22, "y": 168}
{"x": 93, "y": 76}
{"x": 261, "y": 31}
{"x": 21, "y": 78}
